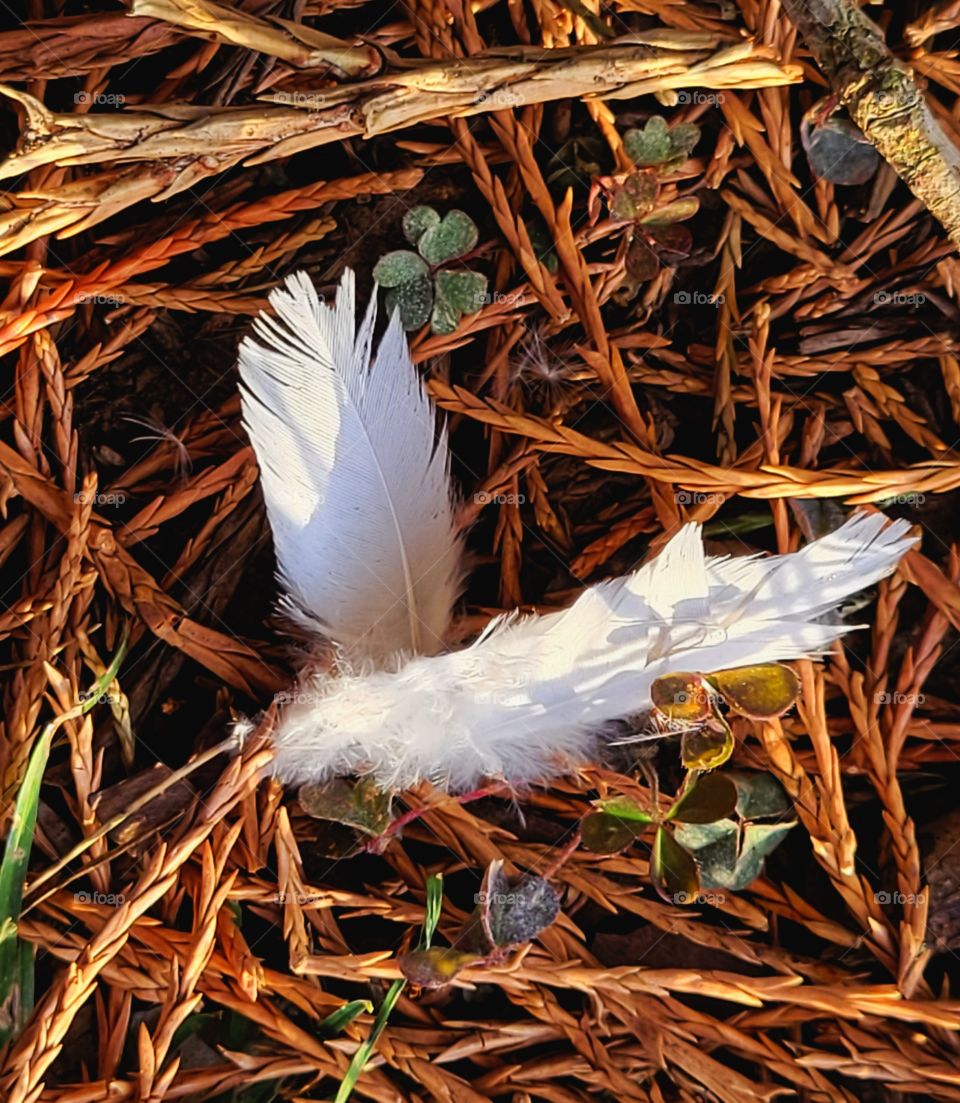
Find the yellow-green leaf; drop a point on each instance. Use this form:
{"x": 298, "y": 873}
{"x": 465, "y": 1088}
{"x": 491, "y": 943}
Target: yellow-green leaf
{"x": 707, "y": 747}
{"x": 682, "y": 697}
{"x": 435, "y": 967}
{"x": 673, "y": 869}
{"x": 760, "y": 692}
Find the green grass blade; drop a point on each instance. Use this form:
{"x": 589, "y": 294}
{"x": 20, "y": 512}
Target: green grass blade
{"x": 340, "y": 1019}
{"x": 15, "y": 992}
{"x": 430, "y": 920}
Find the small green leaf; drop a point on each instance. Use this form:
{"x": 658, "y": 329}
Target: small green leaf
{"x": 435, "y": 967}
{"x": 362, "y": 1056}
{"x": 683, "y": 139}
{"x": 454, "y": 236}
{"x": 16, "y": 962}
{"x": 650, "y": 146}
{"x": 431, "y": 915}
{"x": 602, "y": 833}
{"x": 672, "y": 869}
{"x": 399, "y": 267}
{"x": 462, "y": 290}
{"x": 660, "y": 145}
{"x": 444, "y": 318}
{"x": 361, "y": 805}
{"x": 625, "y": 808}
{"x": 760, "y": 692}
{"x": 731, "y": 856}
{"x": 759, "y": 795}
{"x": 708, "y": 799}
{"x": 708, "y": 746}
{"x": 414, "y": 302}
{"x": 731, "y": 852}
{"x": 516, "y": 913}
{"x": 417, "y": 221}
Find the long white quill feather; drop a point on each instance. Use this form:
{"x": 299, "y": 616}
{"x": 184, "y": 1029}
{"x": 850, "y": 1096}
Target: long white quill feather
{"x": 357, "y": 492}
{"x": 354, "y": 475}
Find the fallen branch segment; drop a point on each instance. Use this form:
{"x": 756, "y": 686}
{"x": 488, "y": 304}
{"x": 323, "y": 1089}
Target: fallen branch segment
{"x": 203, "y": 140}
{"x": 302, "y": 46}
{"x": 883, "y": 99}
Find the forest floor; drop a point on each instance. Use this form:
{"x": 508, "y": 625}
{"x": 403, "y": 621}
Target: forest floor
{"x": 738, "y": 316}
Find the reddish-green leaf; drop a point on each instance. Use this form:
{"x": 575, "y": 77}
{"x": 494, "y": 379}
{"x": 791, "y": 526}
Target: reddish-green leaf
{"x": 671, "y": 241}
{"x": 708, "y": 799}
{"x": 642, "y": 262}
{"x": 606, "y": 834}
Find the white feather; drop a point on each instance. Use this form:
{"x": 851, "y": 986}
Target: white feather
{"x": 533, "y": 694}
{"x": 354, "y": 474}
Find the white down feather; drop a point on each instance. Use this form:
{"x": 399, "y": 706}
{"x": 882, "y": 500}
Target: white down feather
{"x": 534, "y": 694}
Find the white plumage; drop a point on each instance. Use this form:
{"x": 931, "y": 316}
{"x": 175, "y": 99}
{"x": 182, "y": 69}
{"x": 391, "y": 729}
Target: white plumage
{"x": 355, "y": 478}
{"x": 357, "y": 491}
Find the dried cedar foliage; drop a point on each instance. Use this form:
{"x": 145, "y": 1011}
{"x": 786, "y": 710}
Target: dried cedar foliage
{"x": 795, "y": 352}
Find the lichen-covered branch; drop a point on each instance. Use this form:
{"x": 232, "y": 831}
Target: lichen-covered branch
{"x": 885, "y": 102}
